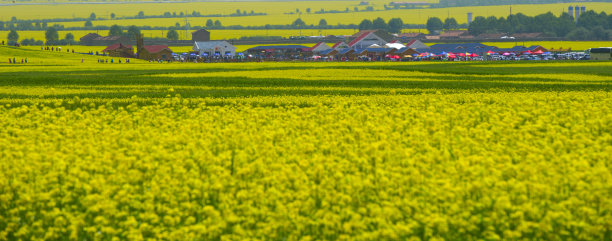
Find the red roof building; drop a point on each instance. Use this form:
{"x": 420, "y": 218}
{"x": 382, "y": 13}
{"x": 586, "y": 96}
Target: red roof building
{"x": 155, "y": 52}
{"x": 119, "y": 50}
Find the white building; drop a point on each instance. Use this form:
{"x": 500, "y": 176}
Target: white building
{"x": 214, "y": 48}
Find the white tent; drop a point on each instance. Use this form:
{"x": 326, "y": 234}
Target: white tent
{"x": 211, "y": 48}
{"x": 395, "y": 46}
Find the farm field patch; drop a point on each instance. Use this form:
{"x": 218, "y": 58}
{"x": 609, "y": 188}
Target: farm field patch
{"x": 292, "y": 151}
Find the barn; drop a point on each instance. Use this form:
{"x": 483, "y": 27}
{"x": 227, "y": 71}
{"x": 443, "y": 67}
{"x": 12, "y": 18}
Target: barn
{"x": 201, "y": 35}
{"x": 155, "y": 52}
{"x": 119, "y": 50}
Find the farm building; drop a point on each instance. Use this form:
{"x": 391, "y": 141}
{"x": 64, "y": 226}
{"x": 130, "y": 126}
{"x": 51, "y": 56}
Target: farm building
{"x": 521, "y": 49}
{"x": 93, "y": 39}
{"x": 201, "y": 35}
{"x": 366, "y": 38}
{"x": 89, "y": 38}
{"x": 475, "y": 48}
{"x": 119, "y": 50}
{"x": 214, "y": 48}
{"x": 155, "y": 52}
{"x": 455, "y": 34}
{"x": 416, "y": 44}
{"x": 403, "y": 52}
{"x": 406, "y": 36}
{"x": 319, "y": 47}
{"x": 340, "y": 45}
{"x": 601, "y": 53}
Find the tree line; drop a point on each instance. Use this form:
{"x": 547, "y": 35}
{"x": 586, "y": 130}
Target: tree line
{"x": 590, "y": 25}
{"x": 460, "y": 3}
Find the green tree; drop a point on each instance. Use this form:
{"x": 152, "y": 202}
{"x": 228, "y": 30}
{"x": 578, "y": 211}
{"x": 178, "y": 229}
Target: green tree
{"x": 217, "y": 23}
{"x": 172, "y": 35}
{"x": 140, "y": 15}
{"x": 298, "y": 23}
{"x": 396, "y": 25}
{"x": 434, "y": 25}
{"x": 92, "y": 16}
{"x": 565, "y": 24}
{"x": 478, "y": 26}
{"x": 112, "y": 15}
{"x": 88, "y": 23}
{"x": 323, "y": 23}
{"x": 13, "y": 36}
{"x": 133, "y": 32}
{"x": 209, "y": 23}
{"x": 450, "y": 24}
{"x": 115, "y": 30}
{"x": 308, "y": 10}
{"x": 69, "y": 37}
{"x": 51, "y": 35}
{"x": 579, "y": 33}
{"x": 379, "y": 23}
{"x": 365, "y": 24}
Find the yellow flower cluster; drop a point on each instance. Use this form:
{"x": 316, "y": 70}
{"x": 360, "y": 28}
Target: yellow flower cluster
{"x": 468, "y": 166}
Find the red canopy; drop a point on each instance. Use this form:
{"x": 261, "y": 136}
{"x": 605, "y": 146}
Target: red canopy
{"x": 461, "y": 54}
{"x": 490, "y": 52}
{"x": 538, "y": 52}
{"x": 528, "y": 52}
{"x": 473, "y": 55}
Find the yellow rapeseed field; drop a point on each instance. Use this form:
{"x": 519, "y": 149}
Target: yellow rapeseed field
{"x": 276, "y": 12}
{"x": 303, "y": 151}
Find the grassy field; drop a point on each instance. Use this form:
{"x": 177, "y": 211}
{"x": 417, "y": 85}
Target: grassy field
{"x": 303, "y": 151}
{"x": 275, "y": 10}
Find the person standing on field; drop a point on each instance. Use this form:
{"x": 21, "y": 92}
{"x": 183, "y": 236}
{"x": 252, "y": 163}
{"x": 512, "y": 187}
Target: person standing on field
{"x": 10, "y": 62}
{"x": 14, "y": 60}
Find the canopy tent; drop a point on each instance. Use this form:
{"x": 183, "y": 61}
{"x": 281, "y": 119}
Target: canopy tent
{"x": 538, "y": 52}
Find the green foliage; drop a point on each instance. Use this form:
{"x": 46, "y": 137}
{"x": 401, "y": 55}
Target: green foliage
{"x": 51, "y": 35}
{"x": 13, "y": 36}
{"x": 379, "y": 23}
{"x": 92, "y": 16}
{"x": 115, "y": 30}
{"x": 172, "y": 35}
{"x": 69, "y": 37}
{"x": 450, "y": 24}
{"x": 395, "y": 25}
{"x": 298, "y": 23}
{"x": 366, "y": 24}
{"x": 434, "y": 25}
{"x": 322, "y": 23}
{"x": 133, "y": 32}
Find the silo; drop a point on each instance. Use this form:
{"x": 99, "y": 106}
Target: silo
{"x": 582, "y": 10}
{"x": 470, "y": 17}
{"x": 570, "y": 10}
{"x": 577, "y": 10}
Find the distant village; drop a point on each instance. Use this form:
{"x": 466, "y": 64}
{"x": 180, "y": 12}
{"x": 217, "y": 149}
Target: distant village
{"x": 366, "y": 45}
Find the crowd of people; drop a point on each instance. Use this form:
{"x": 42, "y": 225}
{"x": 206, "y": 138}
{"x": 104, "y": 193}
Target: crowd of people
{"x": 14, "y": 61}
{"x": 106, "y": 61}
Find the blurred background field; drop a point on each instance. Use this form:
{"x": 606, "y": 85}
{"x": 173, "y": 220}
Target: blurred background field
{"x": 277, "y": 12}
